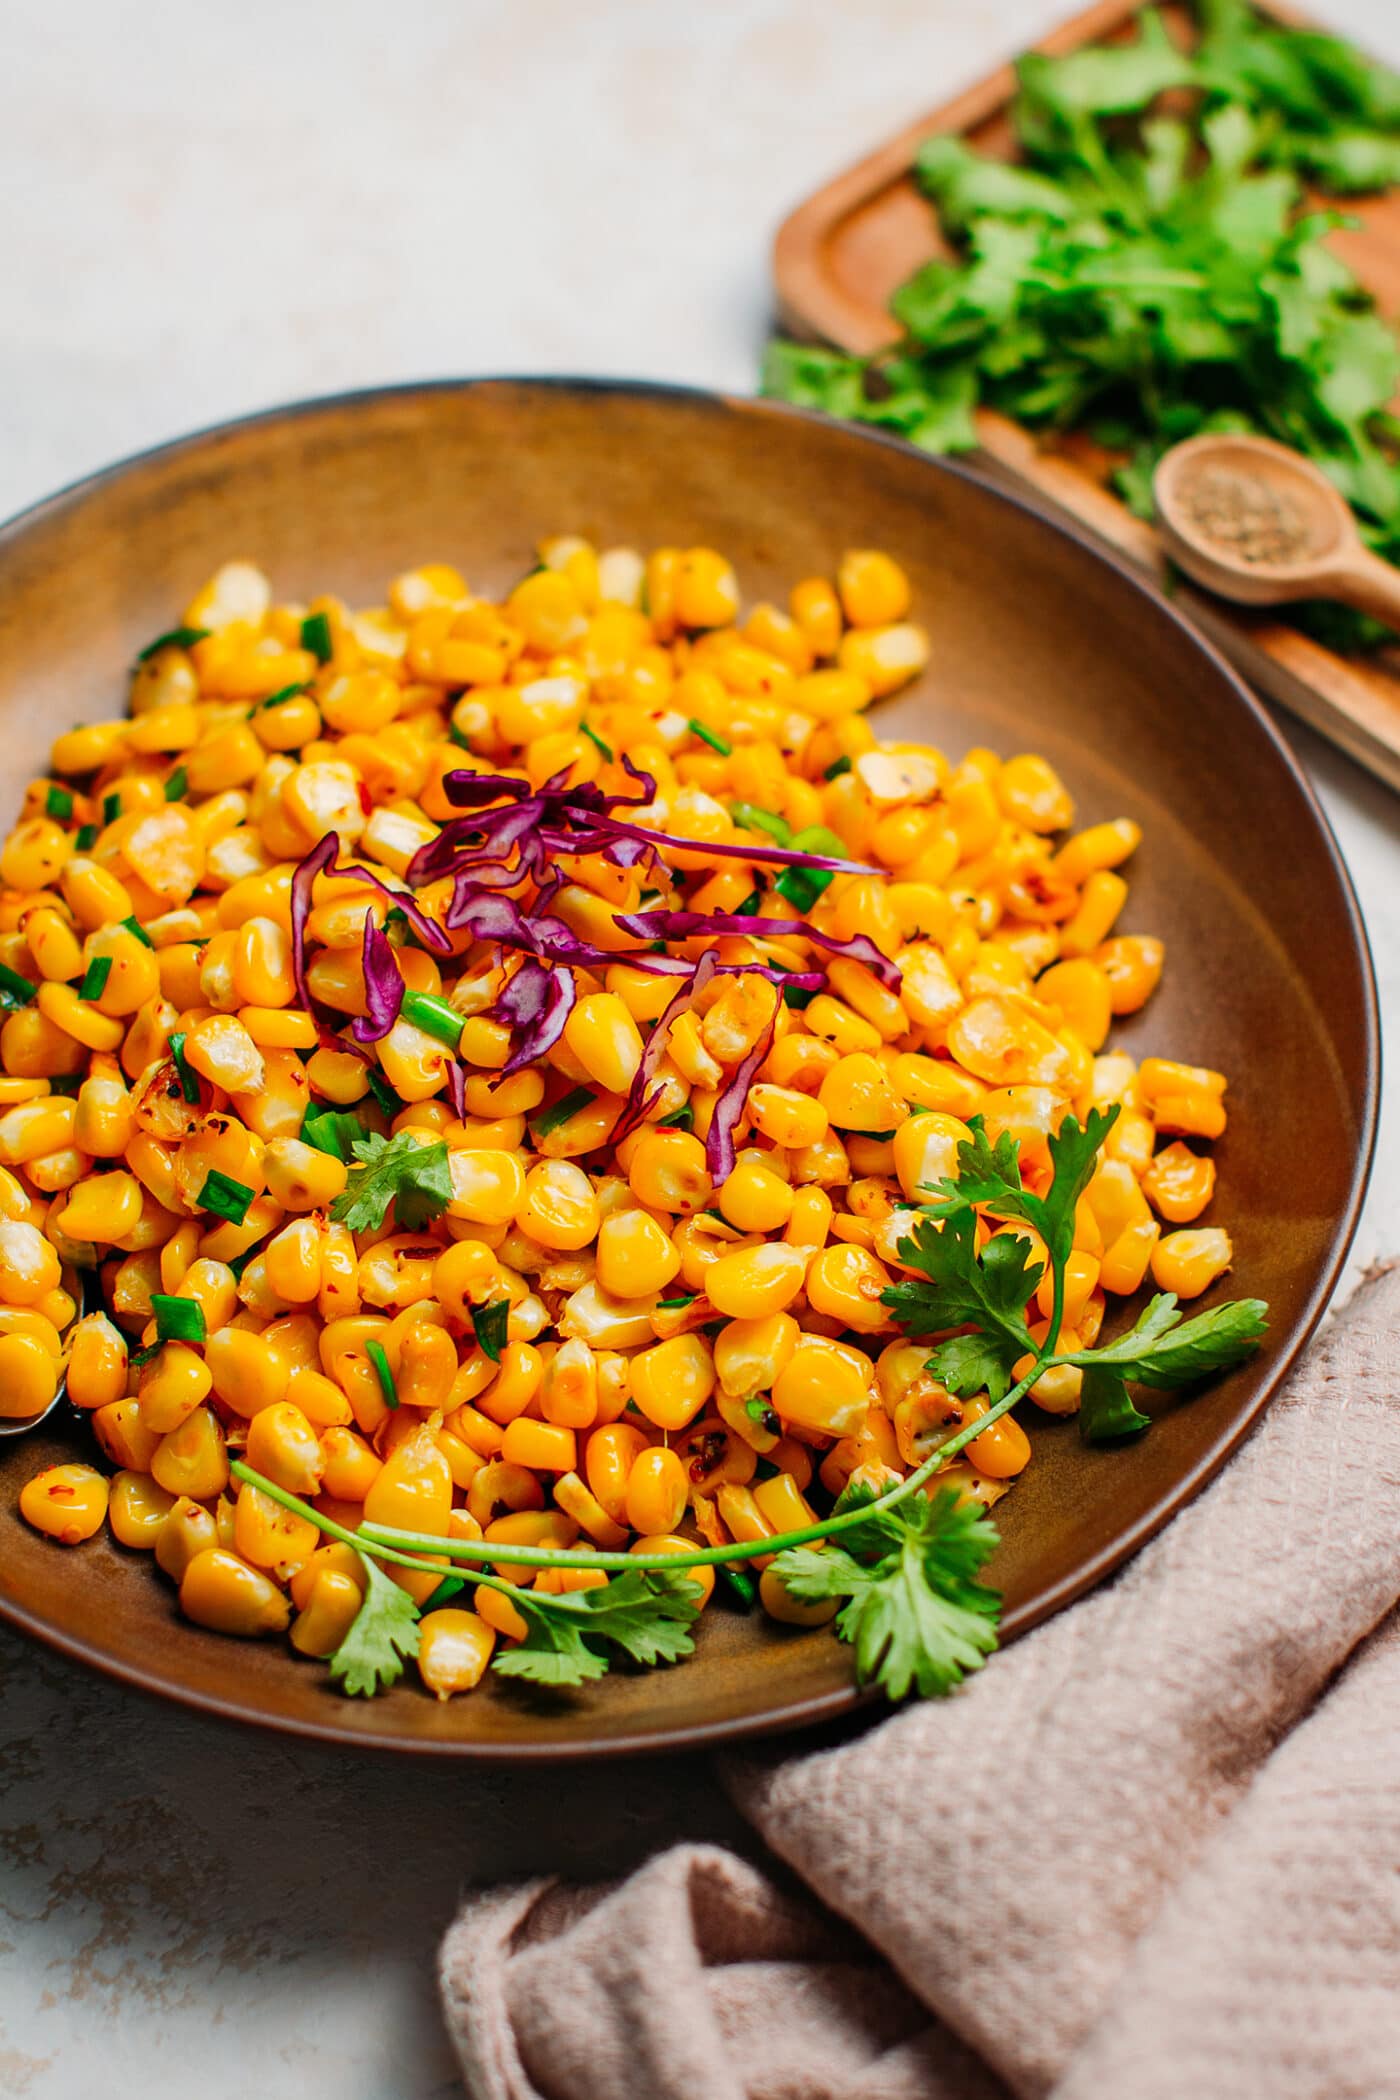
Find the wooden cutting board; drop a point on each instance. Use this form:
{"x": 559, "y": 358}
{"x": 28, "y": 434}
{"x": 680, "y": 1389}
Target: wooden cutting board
{"x": 841, "y": 254}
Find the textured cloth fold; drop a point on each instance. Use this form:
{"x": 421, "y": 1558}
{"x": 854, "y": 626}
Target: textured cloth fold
{"x": 1152, "y": 1850}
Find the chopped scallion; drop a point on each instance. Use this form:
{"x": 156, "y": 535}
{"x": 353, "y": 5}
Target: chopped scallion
{"x": 111, "y": 808}
{"x": 568, "y": 1105}
{"x": 316, "y": 636}
{"x": 178, "y": 1319}
{"x": 708, "y": 736}
{"x": 837, "y": 768}
{"x": 375, "y": 1352}
{"x": 58, "y": 804}
{"x": 14, "y": 989}
{"x": 177, "y": 784}
{"x": 225, "y": 1197}
{"x": 175, "y": 638}
{"x": 595, "y": 739}
{"x": 491, "y": 1324}
{"x": 85, "y": 839}
{"x": 95, "y": 977}
{"x": 188, "y": 1077}
{"x": 752, "y": 818}
{"x": 434, "y": 1016}
{"x": 133, "y": 925}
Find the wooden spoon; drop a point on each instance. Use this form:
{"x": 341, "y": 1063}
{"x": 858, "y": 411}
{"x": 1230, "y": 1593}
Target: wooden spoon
{"x": 1258, "y": 523}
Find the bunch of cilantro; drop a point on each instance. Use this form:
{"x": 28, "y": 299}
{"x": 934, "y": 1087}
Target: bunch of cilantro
{"x": 1148, "y": 271}
{"x": 901, "y": 1564}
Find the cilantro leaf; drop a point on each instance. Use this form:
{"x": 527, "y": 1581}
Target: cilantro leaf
{"x": 1105, "y": 1410}
{"x": 383, "y": 1633}
{"x": 960, "y": 1289}
{"x": 1164, "y": 1350}
{"x": 915, "y": 1613}
{"x": 647, "y": 1615}
{"x": 415, "y": 1178}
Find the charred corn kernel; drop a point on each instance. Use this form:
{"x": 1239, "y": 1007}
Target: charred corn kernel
{"x": 137, "y": 1509}
{"x": 1100, "y": 901}
{"x": 29, "y": 1266}
{"x": 293, "y": 1262}
{"x": 874, "y": 590}
{"x": 668, "y": 1172}
{"x": 454, "y": 1648}
{"x": 816, "y": 608}
{"x": 224, "y": 1052}
{"x": 635, "y": 1257}
{"x": 845, "y": 1283}
{"x": 568, "y": 1393}
{"x": 1002, "y": 1451}
{"x": 754, "y": 1282}
{"x": 558, "y": 1207}
{"x": 656, "y": 1491}
{"x": 926, "y": 1152}
{"x": 193, "y": 1459}
{"x": 103, "y": 1208}
{"x": 672, "y": 1382}
{"x": 1126, "y": 1257}
{"x": 61, "y": 1005}
{"x": 34, "y": 1128}
{"x": 105, "y": 1120}
{"x": 247, "y": 1374}
{"x": 123, "y": 1434}
{"x": 544, "y": 1447}
{"x": 583, "y": 1507}
{"x": 349, "y": 1466}
{"x": 885, "y": 657}
{"x": 1082, "y": 993}
{"x": 1058, "y": 1391}
{"x": 1101, "y": 846}
{"x": 783, "y": 1503}
{"x": 1189, "y": 1262}
{"x": 172, "y": 1386}
{"x": 332, "y": 1558}
{"x": 301, "y": 1178}
{"x": 488, "y": 1187}
{"x": 34, "y": 854}
{"x": 283, "y": 1445}
{"x": 54, "y": 946}
{"x": 609, "y": 1456}
{"x": 789, "y": 1118}
{"x": 810, "y": 1221}
{"x": 755, "y": 1199}
{"x": 1179, "y": 1183}
{"x": 66, "y": 1503}
{"x": 268, "y": 1535}
{"x": 857, "y": 1095}
{"x": 327, "y": 1615}
{"x": 221, "y": 1592}
{"x": 780, "y": 1604}
{"x": 836, "y": 1024}
{"x": 1032, "y": 793}
{"x": 96, "y": 1363}
{"x": 188, "y": 1529}
{"x": 1132, "y": 963}
{"x": 824, "y": 1387}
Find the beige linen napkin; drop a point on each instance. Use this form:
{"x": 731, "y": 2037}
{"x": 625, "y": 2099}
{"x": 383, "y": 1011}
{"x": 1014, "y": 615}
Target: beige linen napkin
{"x": 1151, "y": 1853}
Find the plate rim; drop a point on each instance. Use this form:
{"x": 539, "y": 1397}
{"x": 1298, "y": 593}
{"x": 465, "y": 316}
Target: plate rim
{"x": 814, "y": 1710}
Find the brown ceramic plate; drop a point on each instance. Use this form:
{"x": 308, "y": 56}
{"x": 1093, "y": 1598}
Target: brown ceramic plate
{"x": 1040, "y": 642}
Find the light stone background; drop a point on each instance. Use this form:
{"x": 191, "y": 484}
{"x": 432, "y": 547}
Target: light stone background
{"x": 208, "y": 210}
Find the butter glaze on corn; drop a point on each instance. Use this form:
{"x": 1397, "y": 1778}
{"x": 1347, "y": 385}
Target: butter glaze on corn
{"x": 681, "y": 1357}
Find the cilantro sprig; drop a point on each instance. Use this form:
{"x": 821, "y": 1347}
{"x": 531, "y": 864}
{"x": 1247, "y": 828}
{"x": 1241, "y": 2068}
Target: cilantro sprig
{"x": 416, "y": 1179}
{"x": 1151, "y": 267}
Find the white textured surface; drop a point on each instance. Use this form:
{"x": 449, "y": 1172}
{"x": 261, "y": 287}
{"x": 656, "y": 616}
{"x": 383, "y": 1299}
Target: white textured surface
{"x": 210, "y": 210}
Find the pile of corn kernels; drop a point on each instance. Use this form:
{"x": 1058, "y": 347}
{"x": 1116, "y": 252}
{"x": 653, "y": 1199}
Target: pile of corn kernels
{"x": 681, "y": 1360}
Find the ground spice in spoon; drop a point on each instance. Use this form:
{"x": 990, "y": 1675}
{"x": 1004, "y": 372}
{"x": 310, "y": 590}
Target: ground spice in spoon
{"x": 1246, "y": 515}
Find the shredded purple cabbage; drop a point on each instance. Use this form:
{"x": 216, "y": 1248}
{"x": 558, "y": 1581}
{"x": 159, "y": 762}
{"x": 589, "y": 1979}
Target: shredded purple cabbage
{"x": 384, "y": 986}
{"x": 640, "y": 1101}
{"x": 457, "y": 1089}
{"x": 321, "y": 857}
{"x": 733, "y": 1098}
{"x": 722, "y": 925}
{"x": 534, "y": 1004}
